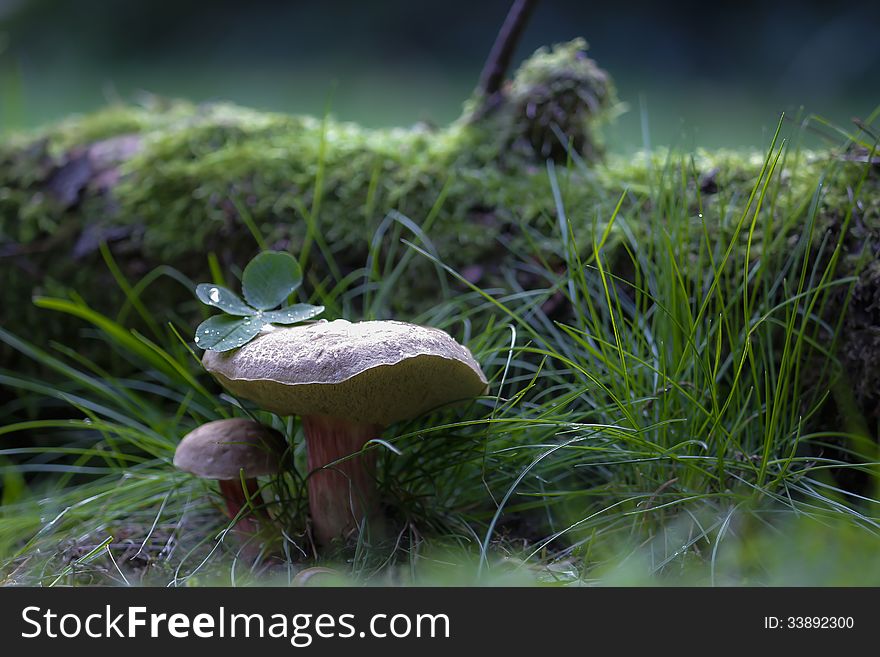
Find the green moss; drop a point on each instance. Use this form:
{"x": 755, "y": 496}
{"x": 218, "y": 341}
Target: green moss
{"x": 110, "y": 122}
{"x": 555, "y": 104}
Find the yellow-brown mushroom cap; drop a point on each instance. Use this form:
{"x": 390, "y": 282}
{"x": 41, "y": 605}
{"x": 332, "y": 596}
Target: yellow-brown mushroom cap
{"x": 374, "y": 372}
{"x": 222, "y": 448}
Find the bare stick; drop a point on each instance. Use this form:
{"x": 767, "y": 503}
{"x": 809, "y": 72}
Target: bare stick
{"x": 498, "y": 62}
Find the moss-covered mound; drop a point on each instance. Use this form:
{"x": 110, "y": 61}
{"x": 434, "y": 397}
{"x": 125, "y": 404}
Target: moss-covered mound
{"x": 167, "y": 183}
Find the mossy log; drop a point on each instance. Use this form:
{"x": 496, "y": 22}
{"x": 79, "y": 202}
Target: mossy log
{"x": 167, "y": 183}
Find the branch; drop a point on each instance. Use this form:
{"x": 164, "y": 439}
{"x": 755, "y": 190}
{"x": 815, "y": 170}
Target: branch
{"x": 492, "y": 76}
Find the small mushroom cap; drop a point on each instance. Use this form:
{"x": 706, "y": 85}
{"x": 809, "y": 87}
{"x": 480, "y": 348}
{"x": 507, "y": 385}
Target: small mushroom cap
{"x": 220, "y": 449}
{"x": 375, "y": 372}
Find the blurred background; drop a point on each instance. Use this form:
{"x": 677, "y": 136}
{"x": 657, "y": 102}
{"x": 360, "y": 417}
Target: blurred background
{"x": 692, "y": 73}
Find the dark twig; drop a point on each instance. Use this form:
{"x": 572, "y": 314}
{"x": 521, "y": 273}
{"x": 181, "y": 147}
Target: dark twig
{"x": 492, "y": 76}
{"x": 861, "y": 125}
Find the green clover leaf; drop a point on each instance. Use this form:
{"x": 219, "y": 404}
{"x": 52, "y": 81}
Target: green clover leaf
{"x": 267, "y": 281}
{"x": 224, "y": 299}
{"x": 224, "y": 332}
{"x": 298, "y": 312}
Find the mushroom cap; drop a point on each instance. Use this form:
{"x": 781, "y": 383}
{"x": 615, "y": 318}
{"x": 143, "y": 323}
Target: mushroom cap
{"x": 374, "y": 372}
{"x": 220, "y": 449}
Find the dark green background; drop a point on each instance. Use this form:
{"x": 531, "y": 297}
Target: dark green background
{"x": 707, "y": 73}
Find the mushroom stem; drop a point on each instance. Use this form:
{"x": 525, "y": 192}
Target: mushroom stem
{"x": 248, "y": 525}
{"x": 342, "y": 495}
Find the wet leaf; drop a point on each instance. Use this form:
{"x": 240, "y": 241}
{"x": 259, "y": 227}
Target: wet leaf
{"x": 224, "y": 299}
{"x": 225, "y": 332}
{"x": 269, "y": 279}
{"x": 298, "y": 312}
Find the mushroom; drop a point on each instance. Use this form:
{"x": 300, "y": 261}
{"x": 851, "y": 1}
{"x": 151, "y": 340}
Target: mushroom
{"x": 228, "y": 450}
{"x": 347, "y": 381}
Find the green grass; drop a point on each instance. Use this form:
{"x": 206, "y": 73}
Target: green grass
{"x": 655, "y": 390}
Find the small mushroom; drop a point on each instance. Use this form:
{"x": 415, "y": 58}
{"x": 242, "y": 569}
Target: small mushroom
{"x": 347, "y": 381}
{"x": 226, "y": 450}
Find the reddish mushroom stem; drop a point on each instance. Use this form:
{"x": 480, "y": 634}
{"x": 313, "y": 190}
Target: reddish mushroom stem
{"x": 340, "y": 496}
{"x": 248, "y": 525}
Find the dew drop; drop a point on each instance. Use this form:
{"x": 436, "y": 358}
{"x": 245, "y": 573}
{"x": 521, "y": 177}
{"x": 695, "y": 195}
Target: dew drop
{"x": 197, "y": 338}
{"x": 701, "y": 215}
{"x": 214, "y": 294}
